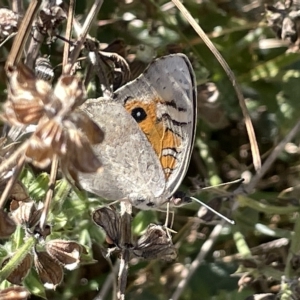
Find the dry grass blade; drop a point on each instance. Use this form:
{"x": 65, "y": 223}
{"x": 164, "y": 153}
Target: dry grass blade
{"x": 155, "y": 243}
{"x": 223, "y": 63}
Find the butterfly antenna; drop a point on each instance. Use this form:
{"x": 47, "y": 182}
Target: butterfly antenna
{"x": 214, "y": 211}
{"x": 240, "y": 180}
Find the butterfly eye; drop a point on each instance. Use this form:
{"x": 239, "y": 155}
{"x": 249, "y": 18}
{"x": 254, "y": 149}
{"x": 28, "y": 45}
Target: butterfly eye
{"x": 139, "y": 114}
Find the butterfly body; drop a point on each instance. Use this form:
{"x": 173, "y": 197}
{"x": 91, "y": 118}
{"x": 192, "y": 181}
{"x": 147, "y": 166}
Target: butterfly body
{"x": 149, "y": 127}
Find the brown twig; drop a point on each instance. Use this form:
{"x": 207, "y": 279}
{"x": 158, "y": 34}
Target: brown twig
{"x": 126, "y": 242}
{"x": 49, "y": 195}
{"x": 230, "y": 74}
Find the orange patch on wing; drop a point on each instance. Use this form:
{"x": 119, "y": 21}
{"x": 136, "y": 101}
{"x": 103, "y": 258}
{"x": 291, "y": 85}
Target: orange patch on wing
{"x": 159, "y": 137}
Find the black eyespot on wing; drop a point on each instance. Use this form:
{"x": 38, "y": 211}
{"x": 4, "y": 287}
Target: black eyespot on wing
{"x": 139, "y": 114}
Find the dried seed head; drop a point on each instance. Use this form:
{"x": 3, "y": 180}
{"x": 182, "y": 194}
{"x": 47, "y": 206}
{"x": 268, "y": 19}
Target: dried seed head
{"x": 27, "y": 214}
{"x": 7, "y": 225}
{"x": 59, "y": 127}
{"x": 110, "y": 222}
{"x": 53, "y": 138}
{"x": 66, "y": 253}
{"x": 9, "y": 21}
{"x": 154, "y": 244}
{"x": 50, "y": 272}
{"x": 18, "y": 274}
{"x": 70, "y": 91}
{"x": 18, "y": 194}
{"x": 119, "y": 71}
{"x": 43, "y": 69}
{"x": 49, "y": 19}
{"x": 26, "y": 97}
{"x": 14, "y": 293}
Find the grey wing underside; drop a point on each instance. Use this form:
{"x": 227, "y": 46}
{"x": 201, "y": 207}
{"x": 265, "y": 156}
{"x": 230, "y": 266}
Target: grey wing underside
{"x": 172, "y": 79}
{"x": 130, "y": 166}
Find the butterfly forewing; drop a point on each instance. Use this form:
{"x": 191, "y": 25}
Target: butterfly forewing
{"x": 164, "y": 108}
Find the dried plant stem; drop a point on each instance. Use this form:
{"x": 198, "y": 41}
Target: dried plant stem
{"x": 35, "y": 42}
{"x": 11, "y": 181}
{"x": 85, "y": 29}
{"x": 230, "y": 74}
{"x": 22, "y": 35}
{"x": 68, "y": 35}
{"x": 17, "y": 6}
{"x": 126, "y": 210}
{"x": 50, "y": 192}
{"x": 17, "y": 258}
{"x": 110, "y": 280}
{"x": 123, "y": 273}
{"x": 197, "y": 262}
{"x": 294, "y": 249}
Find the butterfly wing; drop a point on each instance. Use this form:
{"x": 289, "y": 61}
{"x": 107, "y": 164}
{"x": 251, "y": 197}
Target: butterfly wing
{"x": 163, "y": 103}
{"x": 130, "y": 167}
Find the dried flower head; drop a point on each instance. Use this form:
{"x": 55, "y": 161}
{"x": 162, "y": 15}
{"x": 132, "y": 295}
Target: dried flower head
{"x": 9, "y": 22}
{"x": 50, "y": 272}
{"x": 21, "y": 271}
{"x": 18, "y": 195}
{"x": 48, "y": 20}
{"x": 27, "y": 214}
{"x": 7, "y": 225}
{"x": 14, "y": 293}
{"x": 61, "y": 129}
{"x": 284, "y": 19}
{"x": 154, "y": 244}
{"x": 110, "y": 222}
{"x": 27, "y": 97}
{"x": 66, "y": 253}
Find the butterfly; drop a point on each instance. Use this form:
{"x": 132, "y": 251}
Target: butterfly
{"x": 149, "y": 127}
